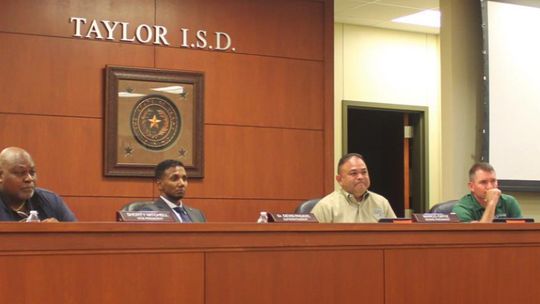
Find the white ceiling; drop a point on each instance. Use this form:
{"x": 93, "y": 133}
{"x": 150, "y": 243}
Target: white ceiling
{"x": 379, "y": 13}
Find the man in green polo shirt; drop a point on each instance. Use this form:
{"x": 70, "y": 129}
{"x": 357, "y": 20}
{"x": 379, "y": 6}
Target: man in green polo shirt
{"x": 485, "y": 202}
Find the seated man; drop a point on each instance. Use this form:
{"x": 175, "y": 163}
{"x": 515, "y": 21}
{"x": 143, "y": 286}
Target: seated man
{"x": 485, "y": 202}
{"x": 171, "y": 180}
{"x": 353, "y": 203}
{"x": 19, "y": 194}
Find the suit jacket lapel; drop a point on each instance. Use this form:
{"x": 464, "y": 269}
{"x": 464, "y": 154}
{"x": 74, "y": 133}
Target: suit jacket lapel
{"x": 162, "y": 205}
{"x": 195, "y": 216}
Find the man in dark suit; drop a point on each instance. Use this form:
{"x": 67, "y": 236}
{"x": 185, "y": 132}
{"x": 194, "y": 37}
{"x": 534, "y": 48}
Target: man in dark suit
{"x": 171, "y": 180}
{"x": 19, "y": 194}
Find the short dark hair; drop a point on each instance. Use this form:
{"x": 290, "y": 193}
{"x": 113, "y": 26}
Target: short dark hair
{"x": 346, "y": 157}
{"x": 166, "y": 164}
{"x": 480, "y": 166}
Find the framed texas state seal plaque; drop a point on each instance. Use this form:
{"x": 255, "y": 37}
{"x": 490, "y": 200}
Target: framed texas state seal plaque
{"x": 152, "y": 115}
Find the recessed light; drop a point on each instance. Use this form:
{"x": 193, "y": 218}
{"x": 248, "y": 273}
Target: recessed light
{"x": 430, "y": 18}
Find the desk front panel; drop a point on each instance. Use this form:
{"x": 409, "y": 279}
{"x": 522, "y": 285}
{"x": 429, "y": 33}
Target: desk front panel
{"x": 271, "y": 263}
{"x": 305, "y": 276}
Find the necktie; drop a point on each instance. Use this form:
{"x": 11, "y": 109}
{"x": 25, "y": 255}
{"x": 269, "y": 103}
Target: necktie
{"x": 183, "y": 214}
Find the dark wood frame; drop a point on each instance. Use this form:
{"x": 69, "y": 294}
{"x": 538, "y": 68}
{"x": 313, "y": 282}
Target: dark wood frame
{"x": 113, "y": 74}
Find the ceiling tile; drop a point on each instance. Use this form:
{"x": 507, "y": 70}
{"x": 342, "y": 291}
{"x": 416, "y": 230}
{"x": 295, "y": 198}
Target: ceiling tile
{"x": 407, "y": 27}
{"x": 420, "y": 4}
{"x": 356, "y": 21}
{"x": 379, "y": 12}
{"x": 343, "y": 5}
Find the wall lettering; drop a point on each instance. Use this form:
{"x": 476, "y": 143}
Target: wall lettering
{"x": 149, "y": 34}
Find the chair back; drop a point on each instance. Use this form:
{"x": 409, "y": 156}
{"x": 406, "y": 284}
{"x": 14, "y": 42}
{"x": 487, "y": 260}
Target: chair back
{"x": 444, "y": 207}
{"x": 306, "y": 206}
{"x": 139, "y": 206}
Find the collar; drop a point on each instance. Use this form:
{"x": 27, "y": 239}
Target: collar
{"x": 351, "y": 199}
{"x": 171, "y": 204}
{"x": 31, "y": 204}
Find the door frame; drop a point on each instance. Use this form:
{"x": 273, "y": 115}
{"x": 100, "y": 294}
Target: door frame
{"x": 421, "y": 131}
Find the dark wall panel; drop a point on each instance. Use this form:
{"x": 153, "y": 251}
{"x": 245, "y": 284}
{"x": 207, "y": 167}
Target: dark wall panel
{"x": 268, "y": 104}
{"x": 333, "y": 277}
{"x": 254, "y": 90}
{"x": 52, "y": 17}
{"x": 276, "y": 28}
{"x": 55, "y": 76}
{"x": 95, "y": 208}
{"x": 68, "y": 155}
{"x": 135, "y": 278}
{"x": 247, "y": 162}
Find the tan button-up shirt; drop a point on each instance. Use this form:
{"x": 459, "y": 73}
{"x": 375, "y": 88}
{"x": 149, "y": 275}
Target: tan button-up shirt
{"x": 342, "y": 207}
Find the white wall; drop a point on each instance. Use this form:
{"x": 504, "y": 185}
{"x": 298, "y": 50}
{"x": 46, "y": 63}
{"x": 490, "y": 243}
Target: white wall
{"x": 391, "y": 67}
{"x": 461, "y": 69}
{"x": 461, "y": 93}
{"x": 377, "y": 65}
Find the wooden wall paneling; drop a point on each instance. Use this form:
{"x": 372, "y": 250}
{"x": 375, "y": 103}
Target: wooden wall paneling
{"x": 68, "y": 155}
{"x": 462, "y": 275}
{"x": 263, "y": 163}
{"x": 55, "y": 76}
{"x": 240, "y": 210}
{"x": 329, "y": 166}
{"x": 295, "y": 277}
{"x": 254, "y": 90}
{"x": 87, "y": 278}
{"x": 270, "y": 263}
{"x": 51, "y": 17}
{"x": 95, "y": 209}
{"x": 71, "y": 237}
{"x": 54, "y": 83}
{"x": 276, "y": 28}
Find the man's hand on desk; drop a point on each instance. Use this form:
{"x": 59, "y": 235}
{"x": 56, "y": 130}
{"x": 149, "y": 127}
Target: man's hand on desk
{"x": 50, "y": 220}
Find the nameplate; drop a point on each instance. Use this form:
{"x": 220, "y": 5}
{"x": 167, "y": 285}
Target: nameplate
{"x": 433, "y": 218}
{"x": 395, "y": 220}
{"x": 510, "y": 220}
{"x": 292, "y": 218}
{"x": 145, "y": 216}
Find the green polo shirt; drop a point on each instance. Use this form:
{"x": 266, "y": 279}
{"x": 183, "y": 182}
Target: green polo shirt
{"x": 468, "y": 209}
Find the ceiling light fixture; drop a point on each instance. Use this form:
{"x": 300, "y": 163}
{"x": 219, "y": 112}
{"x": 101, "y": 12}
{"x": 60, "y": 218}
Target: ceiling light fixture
{"x": 430, "y": 18}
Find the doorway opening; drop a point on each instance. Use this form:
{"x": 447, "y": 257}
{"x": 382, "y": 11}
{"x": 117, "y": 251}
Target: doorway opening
{"x": 393, "y": 140}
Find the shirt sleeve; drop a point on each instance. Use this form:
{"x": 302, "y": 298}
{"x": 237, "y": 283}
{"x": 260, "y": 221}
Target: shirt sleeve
{"x": 322, "y": 212}
{"x": 63, "y": 211}
{"x": 54, "y": 206}
{"x": 389, "y": 213}
{"x": 463, "y": 214}
{"x": 513, "y": 208}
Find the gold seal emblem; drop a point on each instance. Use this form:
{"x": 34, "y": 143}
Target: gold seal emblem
{"x": 155, "y": 122}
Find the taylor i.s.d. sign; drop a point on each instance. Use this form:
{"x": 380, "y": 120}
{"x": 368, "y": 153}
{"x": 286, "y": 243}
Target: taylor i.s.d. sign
{"x": 149, "y": 34}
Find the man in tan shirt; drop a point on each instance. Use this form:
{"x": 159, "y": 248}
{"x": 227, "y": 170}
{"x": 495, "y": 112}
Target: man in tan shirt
{"x": 353, "y": 203}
